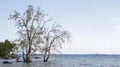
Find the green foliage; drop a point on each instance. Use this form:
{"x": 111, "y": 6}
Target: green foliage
{"x": 5, "y": 48}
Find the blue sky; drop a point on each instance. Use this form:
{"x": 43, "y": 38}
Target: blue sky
{"x": 94, "y": 24}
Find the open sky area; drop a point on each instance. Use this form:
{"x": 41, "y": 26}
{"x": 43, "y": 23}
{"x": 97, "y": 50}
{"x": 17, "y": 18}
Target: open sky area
{"x": 93, "y": 24}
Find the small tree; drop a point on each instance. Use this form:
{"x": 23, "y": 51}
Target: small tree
{"x": 54, "y": 37}
{"x": 6, "y": 47}
{"x": 30, "y": 28}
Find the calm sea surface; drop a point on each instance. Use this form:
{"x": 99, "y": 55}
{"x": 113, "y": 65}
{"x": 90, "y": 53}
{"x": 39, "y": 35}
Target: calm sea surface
{"x": 70, "y": 61}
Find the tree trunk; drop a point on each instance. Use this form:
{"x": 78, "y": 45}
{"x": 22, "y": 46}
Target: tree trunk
{"x": 44, "y": 60}
{"x": 46, "y": 56}
{"x": 23, "y": 56}
{"x": 28, "y": 59}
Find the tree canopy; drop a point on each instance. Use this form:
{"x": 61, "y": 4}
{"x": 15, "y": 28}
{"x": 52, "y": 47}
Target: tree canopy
{"x": 36, "y": 32}
{"x": 6, "y": 47}
{"x": 30, "y": 26}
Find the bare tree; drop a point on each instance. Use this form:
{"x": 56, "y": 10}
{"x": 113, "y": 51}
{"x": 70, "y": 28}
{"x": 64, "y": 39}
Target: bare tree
{"x": 53, "y": 38}
{"x": 30, "y": 26}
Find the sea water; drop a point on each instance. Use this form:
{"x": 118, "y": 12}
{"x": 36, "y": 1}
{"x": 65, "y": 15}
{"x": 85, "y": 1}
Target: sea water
{"x": 70, "y": 60}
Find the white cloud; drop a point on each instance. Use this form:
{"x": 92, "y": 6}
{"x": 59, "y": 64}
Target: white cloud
{"x": 116, "y": 19}
{"x": 117, "y": 25}
{"x": 116, "y": 28}
{"x": 100, "y": 44}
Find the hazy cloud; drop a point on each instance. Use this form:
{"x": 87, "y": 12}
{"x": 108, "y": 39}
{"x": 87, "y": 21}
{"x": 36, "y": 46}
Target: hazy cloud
{"x": 116, "y": 28}
{"x": 116, "y": 19}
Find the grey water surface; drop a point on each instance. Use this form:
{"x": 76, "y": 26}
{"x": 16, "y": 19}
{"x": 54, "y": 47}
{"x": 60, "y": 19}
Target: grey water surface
{"x": 70, "y": 60}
